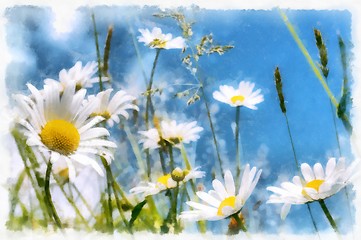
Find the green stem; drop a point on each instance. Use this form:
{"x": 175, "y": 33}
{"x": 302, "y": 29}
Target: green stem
{"x": 153, "y": 69}
{"x": 109, "y": 186}
{"x": 26, "y": 153}
{"x": 72, "y": 203}
{"x": 313, "y": 220}
{"x": 136, "y": 150}
{"x": 238, "y": 158}
{"x": 98, "y": 53}
{"x": 48, "y": 195}
{"x": 174, "y": 208}
{"x": 149, "y": 107}
{"x": 299, "y": 171}
{"x": 162, "y": 162}
{"x": 292, "y": 144}
{"x": 83, "y": 200}
{"x": 335, "y": 127}
{"x": 14, "y": 195}
{"x": 171, "y": 159}
{"x": 328, "y": 215}
{"x": 212, "y": 130}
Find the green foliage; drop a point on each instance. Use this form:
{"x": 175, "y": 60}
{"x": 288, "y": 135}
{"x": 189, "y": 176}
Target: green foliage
{"x": 136, "y": 211}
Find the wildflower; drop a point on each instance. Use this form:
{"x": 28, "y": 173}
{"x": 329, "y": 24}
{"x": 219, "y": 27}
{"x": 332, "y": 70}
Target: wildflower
{"x": 59, "y": 126}
{"x": 242, "y": 96}
{"x": 167, "y": 181}
{"x": 110, "y": 110}
{"x": 82, "y": 77}
{"x": 156, "y": 39}
{"x": 316, "y": 184}
{"x": 172, "y": 133}
{"x": 223, "y": 202}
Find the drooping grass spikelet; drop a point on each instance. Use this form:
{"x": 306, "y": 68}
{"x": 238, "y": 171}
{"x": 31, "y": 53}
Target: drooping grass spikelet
{"x": 322, "y": 51}
{"x": 278, "y": 82}
{"x": 346, "y": 100}
{"x": 107, "y": 51}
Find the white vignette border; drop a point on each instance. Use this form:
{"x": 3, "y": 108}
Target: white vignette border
{"x": 353, "y": 6}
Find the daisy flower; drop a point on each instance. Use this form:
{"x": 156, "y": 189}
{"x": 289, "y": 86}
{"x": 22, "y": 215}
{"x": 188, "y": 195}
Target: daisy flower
{"x": 315, "y": 184}
{"x": 110, "y": 110}
{"x": 156, "y": 39}
{"x": 223, "y": 202}
{"x": 81, "y": 76}
{"x": 172, "y": 133}
{"x": 167, "y": 181}
{"x": 242, "y": 96}
{"x": 59, "y": 126}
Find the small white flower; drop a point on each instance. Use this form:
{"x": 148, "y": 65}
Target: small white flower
{"x": 172, "y": 133}
{"x": 82, "y": 77}
{"x": 223, "y": 202}
{"x": 165, "y": 182}
{"x": 156, "y": 39}
{"x": 59, "y": 126}
{"x": 242, "y": 96}
{"x": 316, "y": 184}
{"x": 118, "y": 105}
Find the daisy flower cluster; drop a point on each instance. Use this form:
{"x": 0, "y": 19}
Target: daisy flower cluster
{"x": 62, "y": 123}
{"x": 66, "y": 129}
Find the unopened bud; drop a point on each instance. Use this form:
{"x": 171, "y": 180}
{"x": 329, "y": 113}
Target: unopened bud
{"x": 178, "y": 174}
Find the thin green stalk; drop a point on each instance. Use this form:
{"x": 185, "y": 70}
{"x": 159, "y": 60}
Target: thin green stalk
{"x": 238, "y": 158}
{"x": 292, "y": 144}
{"x": 72, "y": 203}
{"x": 201, "y": 224}
{"x": 136, "y": 150}
{"x": 149, "y": 107}
{"x": 83, "y": 200}
{"x": 48, "y": 196}
{"x": 335, "y": 127}
{"x": 137, "y": 53}
{"x": 153, "y": 69}
{"x": 14, "y": 195}
{"x": 328, "y": 215}
{"x": 212, "y": 130}
{"x": 308, "y": 58}
{"x": 174, "y": 208}
{"x": 120, "y": 210}
{"x": 162, "y": 162}
{"x": 109, "y": 193}
{"x": 98, "y": 53}
{"x": 299, "y": 171}
{"x": 24, "y": 156}
{"x": 171, "y": 159}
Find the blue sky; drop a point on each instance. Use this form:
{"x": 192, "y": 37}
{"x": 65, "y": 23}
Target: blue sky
{"x": 261, "y": 42}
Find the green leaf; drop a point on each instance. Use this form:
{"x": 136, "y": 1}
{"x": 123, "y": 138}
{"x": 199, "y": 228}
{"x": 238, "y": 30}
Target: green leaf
{"x": 136, "y": 211}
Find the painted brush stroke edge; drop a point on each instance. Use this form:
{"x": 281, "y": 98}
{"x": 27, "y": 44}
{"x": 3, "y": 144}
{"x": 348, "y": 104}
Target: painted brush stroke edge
{"x": 352, "y": 6}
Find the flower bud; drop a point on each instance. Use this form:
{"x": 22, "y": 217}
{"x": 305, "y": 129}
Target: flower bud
{"x": 177, "y": 174}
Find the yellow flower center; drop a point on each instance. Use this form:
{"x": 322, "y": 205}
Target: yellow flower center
{"x": 64, "y": 173}
{"x": 237, "y": 98}
{"x": 315, "y": 184}
{"x": 228, "y": 202}
{"x": 60, "y": 136}
{"x": 158, "y": 43}
{"x": 164, "y": 180}
{"x": 104, "y": 114}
